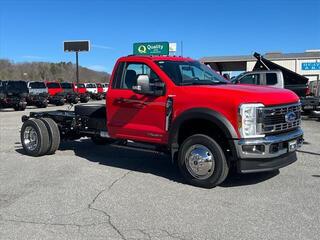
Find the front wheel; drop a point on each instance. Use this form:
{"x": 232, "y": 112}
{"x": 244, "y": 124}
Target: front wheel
{"x": 202, "y": 162}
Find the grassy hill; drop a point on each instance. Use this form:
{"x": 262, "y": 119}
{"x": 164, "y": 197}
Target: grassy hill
{"x": 62, "y": 71}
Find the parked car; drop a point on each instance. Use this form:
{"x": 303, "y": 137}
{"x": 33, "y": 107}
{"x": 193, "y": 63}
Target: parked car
{"x": 180, "y": 107}
{"x": 56, "y": 95}
{"x": 13, "y": 94}
{"x": 105, "y": 87}
{"x": 38, "y": 94}
{"x": 271, "y": 74}
{"x": 70, "y": 95}
{"x": 80, "y": 88}
{"x": 92, "y": 89}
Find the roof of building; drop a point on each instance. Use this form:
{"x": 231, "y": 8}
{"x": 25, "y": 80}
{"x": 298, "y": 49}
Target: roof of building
{"x": 270, "y": 56}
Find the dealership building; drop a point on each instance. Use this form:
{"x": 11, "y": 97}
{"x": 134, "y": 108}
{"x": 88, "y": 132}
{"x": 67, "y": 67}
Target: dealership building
{"x": 306, "y": 63}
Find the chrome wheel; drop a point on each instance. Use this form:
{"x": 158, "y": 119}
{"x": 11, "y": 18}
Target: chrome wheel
{"x": 199, "y": 161}
{"x": 30, "y": 138}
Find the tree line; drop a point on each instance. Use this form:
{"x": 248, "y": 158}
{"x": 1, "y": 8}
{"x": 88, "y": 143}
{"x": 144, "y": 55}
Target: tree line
{"x": 45, "y": 71}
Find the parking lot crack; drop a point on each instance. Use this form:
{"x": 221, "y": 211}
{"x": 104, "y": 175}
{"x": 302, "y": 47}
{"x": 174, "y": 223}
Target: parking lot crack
{"x": 114, "y": 227}
{"x": 91, "y": 207}
{"x": 145, "y": 233}
{"x": 48, "y": 223}
{"x": 108, "y": 188}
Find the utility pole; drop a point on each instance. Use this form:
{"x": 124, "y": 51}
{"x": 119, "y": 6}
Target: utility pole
{"x": 77, "y": 66}
{"x": 77, "y": 46}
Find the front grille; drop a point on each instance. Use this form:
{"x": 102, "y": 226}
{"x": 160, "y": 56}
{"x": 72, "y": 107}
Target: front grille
{"x": 279, "y": 118}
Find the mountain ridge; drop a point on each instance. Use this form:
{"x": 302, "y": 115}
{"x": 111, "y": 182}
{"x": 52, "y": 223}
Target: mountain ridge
{"x": 49, "y": 71}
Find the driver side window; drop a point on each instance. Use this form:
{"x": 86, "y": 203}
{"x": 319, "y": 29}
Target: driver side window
{"x": 132, "y": 72}
{"x": 250, "y": 79}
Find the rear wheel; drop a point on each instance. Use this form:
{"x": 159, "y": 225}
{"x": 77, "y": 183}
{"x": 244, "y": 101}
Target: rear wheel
{"x": 60, "y": 102}
{"x": 42, "y": 104}
{"x": 84, "y": 99}
{"x": 202, "y": 161}
{"x": 35, "y": 137}
{"x": 20, "y": 107}
{"x": 54, "y": 134}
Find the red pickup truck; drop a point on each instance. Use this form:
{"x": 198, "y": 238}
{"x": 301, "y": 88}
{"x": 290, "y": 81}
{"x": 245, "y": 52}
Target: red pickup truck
{"x": 80, "y": 88}
{"x": 181, "y": 107}
{"x": 56, "y": 95}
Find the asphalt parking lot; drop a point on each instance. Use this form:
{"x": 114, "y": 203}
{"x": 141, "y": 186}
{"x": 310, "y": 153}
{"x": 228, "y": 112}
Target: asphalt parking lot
{"x": 99, "y": 192}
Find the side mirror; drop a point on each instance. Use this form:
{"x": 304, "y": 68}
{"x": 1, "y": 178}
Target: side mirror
{"x": 145, "y": 87}
{"x": 143, "y": 84}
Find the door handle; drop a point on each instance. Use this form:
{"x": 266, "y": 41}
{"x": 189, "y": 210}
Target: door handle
{"x": 120, "y": 100}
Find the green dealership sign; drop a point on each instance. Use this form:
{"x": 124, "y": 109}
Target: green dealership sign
{"x": 151, "y": 48}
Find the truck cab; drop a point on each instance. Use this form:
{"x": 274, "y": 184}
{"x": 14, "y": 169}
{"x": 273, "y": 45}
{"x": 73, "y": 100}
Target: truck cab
{"x": 268, "y": 73}
{"x": 180, "y": 107}
{"x": 81, "y": 90}
{"x": 272, "y": 78}
{"x": 70, "y": 95}
{"x": 105, "y": 87}
{"x": 13, "y": 94}
{"x": 56, "y": 95}
{"x": 38, "y": 94}
{"x": 92, "y": 89}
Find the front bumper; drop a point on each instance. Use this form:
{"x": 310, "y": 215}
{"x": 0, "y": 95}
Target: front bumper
{"x": 268, "y": 153}
{"x": 310, "y": 102}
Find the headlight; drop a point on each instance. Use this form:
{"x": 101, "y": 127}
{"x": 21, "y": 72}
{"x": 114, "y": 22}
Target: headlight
{"x": 247, "y": 122}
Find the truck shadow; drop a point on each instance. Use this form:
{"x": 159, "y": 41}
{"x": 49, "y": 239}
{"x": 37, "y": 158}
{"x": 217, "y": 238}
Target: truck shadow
{"x": 151, "y": 163}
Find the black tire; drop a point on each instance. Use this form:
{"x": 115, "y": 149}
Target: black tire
{"x": 20, "y": 107}
{"x": 54, "y": 135}
{"x": 84, "y": 100}
{"x": 101, "y": 141}
{"x": 220, "y": 170}
{"x": 60, "y": 102}
{"x": 42, "y": 133}
{"x": 42, "y": 104}
{"x": 23, "y": 107}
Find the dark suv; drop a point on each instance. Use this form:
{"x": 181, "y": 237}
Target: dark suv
{"x": 13, "y": 94}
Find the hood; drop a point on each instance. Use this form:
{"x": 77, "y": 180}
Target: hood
{"x": 248, "y": 93}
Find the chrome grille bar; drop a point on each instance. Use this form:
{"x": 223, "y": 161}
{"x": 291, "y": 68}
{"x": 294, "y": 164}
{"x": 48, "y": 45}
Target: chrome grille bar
{"x": 274, "y": 119}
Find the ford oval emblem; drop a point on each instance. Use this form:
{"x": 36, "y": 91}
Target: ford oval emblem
{"x": 290, "y": 117}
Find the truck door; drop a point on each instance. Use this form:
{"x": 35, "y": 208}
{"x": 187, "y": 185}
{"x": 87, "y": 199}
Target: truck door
{"x": 135, "y": 116}
{"x": 251, "y": 78}
{"x": 273, "y": 79}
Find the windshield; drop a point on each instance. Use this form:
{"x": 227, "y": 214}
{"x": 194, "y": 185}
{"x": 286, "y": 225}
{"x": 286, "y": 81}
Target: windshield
{"x": 37, "y": 85}
{"x": 53, "y": 85}
{"x": 91, "y": 85}
{"x": 17, "y": 85}
{"x": 235, "y": 79}
{"x": 80, "y": 85}
{"x": 190, "y": 73}
{"x": 66, "y": 85}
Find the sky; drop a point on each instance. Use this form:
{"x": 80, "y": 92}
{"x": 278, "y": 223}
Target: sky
{"x": 34, "y": 30}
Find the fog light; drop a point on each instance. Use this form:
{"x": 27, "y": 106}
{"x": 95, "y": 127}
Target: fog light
{"x": 258, "y": 149}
